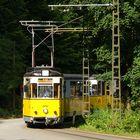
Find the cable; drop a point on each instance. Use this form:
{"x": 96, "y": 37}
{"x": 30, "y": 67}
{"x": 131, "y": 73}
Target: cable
{"x": 70, "y": 21}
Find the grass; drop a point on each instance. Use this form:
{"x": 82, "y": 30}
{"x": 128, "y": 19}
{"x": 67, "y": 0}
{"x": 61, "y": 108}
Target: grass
{"x": 103, "y": 121}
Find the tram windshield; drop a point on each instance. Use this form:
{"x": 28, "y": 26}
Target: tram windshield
{"x": 33, "y": 90}
{"x": 45, "y": 91}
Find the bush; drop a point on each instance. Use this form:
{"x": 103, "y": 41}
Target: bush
{"x": 131, "y": 121}
{"x": 5, "y": 113}
{"x": 103, "y": 120}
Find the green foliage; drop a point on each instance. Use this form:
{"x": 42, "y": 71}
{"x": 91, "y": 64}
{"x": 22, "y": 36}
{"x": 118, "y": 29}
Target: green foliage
{"x": 15, "y": 43}
{"x": 102, "y": 120}
{"x": 103, "y": 59}
{"x": 70, "y": 53}
{"x": 5, "y": 113}
{"x": 130, "y": 15}
{"x": 38, "y": 10}
{"x": 131, "y": 122}
{"x": 105, "y": 76}
{"x": 12, "y": 65}
{"x": 12, "y": 48}
{"x": 132, "y": 78}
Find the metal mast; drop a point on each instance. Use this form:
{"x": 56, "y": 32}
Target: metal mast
{"x": 86, "y": 93}
{"x": 116, "y": 76}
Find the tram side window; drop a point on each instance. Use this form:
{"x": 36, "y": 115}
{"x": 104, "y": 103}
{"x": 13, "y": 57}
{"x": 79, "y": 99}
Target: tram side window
{"x": 76, "y": 88}
{"x": 34, "y": 90}
{"x": 107, "y": 89}
{"x": 56, "y": 90}
{"x": 79, "y": 89}
{"x": 72, "y": 88}
{"x": 27, "y": 90}
{"x": 93, "y": 89}
{"x": 103, "y": 89}
{"x": 100, "y": 88}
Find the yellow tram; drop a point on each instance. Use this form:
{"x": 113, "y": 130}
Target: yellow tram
{"x": 43, "y": 96}
{"x": 50, "y": 97}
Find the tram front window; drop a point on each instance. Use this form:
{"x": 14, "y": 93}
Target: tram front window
{"x": 45, "y": 92}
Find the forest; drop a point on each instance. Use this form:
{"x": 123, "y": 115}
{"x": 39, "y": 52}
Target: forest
{"x": 15, "y": 44}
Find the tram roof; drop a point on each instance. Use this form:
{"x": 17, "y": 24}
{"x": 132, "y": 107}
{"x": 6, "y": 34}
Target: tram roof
{"x": 38, "y": 71}
{"x": 72, "y": 76}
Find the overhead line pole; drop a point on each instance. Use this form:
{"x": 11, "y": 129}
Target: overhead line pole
{"x": 116, "y": 74}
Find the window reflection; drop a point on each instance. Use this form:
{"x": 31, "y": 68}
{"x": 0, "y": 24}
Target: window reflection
{"x": 45, "y": 91}
{"x": 76, "y": 88}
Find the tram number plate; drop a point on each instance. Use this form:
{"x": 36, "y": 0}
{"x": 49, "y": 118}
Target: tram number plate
{"x": 48, "y": 80}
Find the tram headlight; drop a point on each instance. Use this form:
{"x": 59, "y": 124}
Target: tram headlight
{"x": 45, "y": 110}
{"x": 31, "y": 119}
{"x": 55, "y": 112}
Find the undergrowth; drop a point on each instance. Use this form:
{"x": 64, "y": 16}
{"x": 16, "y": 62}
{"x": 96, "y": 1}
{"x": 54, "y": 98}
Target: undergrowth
{"x": 10, "y": 113}
{"x": 104, "y": 121}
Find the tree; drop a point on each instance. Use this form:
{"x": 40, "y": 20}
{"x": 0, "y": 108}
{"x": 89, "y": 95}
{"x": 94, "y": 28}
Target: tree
{"x": 15, "y": 41}
{"x": 11, "y": 49}
{"x": 132, "y": 78}
{"x": 130, "y": 22}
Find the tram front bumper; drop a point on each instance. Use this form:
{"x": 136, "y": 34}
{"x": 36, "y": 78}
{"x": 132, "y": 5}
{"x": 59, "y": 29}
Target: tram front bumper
{"x": 45, "y": 120}
{"x": 52, "y": 120}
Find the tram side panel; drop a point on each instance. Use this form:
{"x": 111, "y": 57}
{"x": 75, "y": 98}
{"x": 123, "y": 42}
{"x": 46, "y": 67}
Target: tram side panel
{"x": 73, "y": 97}
{"x": 98, "y": 102}
{"x": 100, "y": 97}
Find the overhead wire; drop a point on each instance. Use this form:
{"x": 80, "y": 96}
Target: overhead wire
{"x": 70, "y": 21}
{"x": 53, "y": 32}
